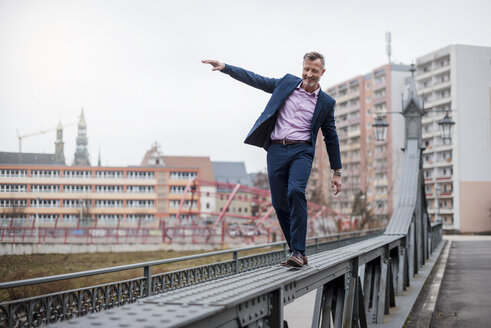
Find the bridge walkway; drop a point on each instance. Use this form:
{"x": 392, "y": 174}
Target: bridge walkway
{"x": 246, "y": 292}
{"x": 465, "y": 293}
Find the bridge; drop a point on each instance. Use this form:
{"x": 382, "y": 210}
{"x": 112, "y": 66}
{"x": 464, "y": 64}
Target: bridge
{"x": 360, "y": 279}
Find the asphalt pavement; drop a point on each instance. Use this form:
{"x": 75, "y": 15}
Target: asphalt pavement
{"x": 464, "y": 299}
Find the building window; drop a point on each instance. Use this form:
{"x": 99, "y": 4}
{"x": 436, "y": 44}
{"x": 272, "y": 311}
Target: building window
{"x": 177, "y": 175}
{"x": 187, "y": 204}
{"x": 140, "y": 189}
{"x": 13, "y": 203}
{"x": 109, "y": 174}
{"x": 77, "y": 189}
{"x": 13, "y": 188}
{"x": 45, "y": 188}
{"x": 109, "y": 218}
{"x": 46, "y": 203}
{"x": 77, "y": 174}
{"x": 73, "y": 203}
{"x": 5, "y": 173}
{"x": 143, "y": 218}
{"x": 140, "y": 204}
{"x": 46, "y": 218}
{"x": 140, "y": 175}
{"x": 109, "y": 189}
{"x": 45, "y": 174}
{"x": 70, "y": 218}
{"x": 107, "y": 203}
{"x": 177, "y": 189}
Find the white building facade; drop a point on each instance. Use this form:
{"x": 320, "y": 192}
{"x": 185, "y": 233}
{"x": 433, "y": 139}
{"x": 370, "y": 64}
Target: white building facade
{"x": 458, "y": 173}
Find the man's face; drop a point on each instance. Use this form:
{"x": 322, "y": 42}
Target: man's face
{"x": 312, "y": 72}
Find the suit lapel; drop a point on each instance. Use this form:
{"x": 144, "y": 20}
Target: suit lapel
{"x": 318, "y": 108}
{"x": 290, "y": 87}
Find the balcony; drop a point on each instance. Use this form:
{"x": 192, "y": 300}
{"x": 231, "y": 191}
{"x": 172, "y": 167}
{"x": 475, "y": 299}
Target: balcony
{"x": 378, "y": 85}
{"x": 353, "y": 134}
{"x": 431, "y": 134}
{"x": 444, "y": 178}
{"x": 441, "y": 69}
{"x": 379, "y": 100}
{"x": 348, "y": 160}
{"x": 348, "y": 147}
{"x": 442, "y": 147}
{"x": 441, "y": 100}
{"x": 380, "y": 182}
{"x": 381, "y": 168}
{"x": 443, "y": 163}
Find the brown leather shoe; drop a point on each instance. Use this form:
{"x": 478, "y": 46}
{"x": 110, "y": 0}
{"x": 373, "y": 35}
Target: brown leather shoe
{"x": 296, "y": 260}
{"x": 285, "y": 262}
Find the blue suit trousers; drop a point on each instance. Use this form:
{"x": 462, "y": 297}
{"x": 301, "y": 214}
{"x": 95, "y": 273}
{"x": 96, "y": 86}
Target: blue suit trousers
{"x": 289, "y": 169}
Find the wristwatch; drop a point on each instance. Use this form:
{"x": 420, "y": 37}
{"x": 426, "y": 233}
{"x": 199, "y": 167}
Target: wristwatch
{"x": 337, "y": 172}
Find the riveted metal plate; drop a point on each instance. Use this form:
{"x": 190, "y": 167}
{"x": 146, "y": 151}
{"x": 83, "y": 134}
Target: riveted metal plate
{"x": 289, "y": 293}
{"x": 252, "y": 310}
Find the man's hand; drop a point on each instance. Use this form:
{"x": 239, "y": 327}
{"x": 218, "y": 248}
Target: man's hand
{"x": 217, "y": 66}
{"x": 336, "y": 183}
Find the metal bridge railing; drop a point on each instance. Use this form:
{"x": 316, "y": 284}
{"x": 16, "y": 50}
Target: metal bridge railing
{"x": 65, "y": 305}
{"x": 356, "y": 284}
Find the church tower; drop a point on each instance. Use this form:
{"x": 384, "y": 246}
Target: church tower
{"x": 59, "y": 145}
{"x": 82, "y": 154}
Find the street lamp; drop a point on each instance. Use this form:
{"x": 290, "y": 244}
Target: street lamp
{"x": 446, "y": 127}
{"x": 380, "y": 128}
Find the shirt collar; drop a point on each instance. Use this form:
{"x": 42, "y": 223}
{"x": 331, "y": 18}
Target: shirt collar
{"x": 315, "y": 93}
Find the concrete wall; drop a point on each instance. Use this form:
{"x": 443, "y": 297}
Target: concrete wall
{"x": 26, "y": 249}
{"x": 475, "y": 206}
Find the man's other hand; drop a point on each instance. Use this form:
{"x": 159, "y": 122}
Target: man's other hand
{"x": 336, "y": 183}
{"x": 217, "y": 66}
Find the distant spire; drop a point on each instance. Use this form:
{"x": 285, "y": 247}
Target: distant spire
{"x": 81, "y": 153}
{"x": 59, "y": 145}
{"x": 99, "y": 160}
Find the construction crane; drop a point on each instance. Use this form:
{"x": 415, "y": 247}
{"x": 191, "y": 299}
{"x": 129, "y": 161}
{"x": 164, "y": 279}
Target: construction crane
{"x": 20, "y": 137}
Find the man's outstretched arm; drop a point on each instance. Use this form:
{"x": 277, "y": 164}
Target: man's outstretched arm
{"x": 266, "y": 84}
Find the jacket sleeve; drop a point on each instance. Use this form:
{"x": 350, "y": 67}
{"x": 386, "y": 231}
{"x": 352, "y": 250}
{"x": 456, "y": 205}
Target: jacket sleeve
{"x": 331, "y": 138}
{"x": 266, "y": 84}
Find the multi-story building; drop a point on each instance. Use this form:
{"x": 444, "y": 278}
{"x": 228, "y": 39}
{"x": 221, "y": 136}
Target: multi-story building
{"x": 368, "y": 166}
{"x": 51, "y": 195}
{"x": 232, "y": 173}
{"x": 207, "y": 192}
{"x": 458, "y": 173}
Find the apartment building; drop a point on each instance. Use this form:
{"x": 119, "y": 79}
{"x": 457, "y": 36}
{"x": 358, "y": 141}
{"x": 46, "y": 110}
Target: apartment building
{"x": 369, "y": 167}
{"x": 458, "y": 173}
{"x": 207, "y": 192}
{"x": 232, "y": 173}
{"x": 52, "y": 195}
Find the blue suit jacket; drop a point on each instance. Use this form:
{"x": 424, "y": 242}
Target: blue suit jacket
{"x": 281, "y": 89}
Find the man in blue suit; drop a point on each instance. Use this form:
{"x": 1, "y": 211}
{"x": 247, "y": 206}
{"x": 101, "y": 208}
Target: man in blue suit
{"x": 287, "y": 129}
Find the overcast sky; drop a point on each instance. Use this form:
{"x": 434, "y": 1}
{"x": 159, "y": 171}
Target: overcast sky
{"x": 134, "y": 66}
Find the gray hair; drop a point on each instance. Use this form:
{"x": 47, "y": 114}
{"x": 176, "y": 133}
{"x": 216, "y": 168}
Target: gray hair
{"x": 313, "y": 55}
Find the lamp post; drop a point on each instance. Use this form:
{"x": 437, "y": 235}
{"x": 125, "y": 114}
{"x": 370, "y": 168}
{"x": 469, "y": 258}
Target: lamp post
{"x": 413, "y": 111}
{"x": 438, "y": 190}
{"x": 446, "y": 127}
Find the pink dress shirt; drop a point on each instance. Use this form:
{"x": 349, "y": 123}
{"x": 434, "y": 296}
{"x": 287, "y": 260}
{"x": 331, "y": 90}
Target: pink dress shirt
{"x": 295, "y": 117}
